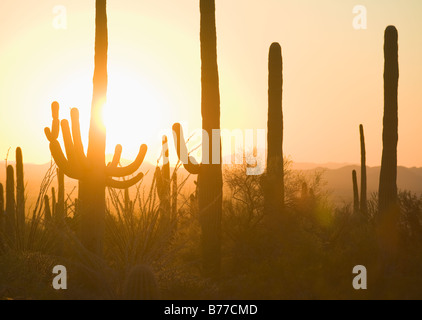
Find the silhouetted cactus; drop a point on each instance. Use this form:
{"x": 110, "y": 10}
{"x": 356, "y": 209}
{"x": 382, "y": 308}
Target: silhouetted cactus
{"x": 363, "y": 187}
{"x": 2, "y": 217}
{"x": 47, "y": 209}
{"x": 90, "y": 170}
{"x": 210, "y": 180}
{"x": 59, "y": 206}
{"x": 163, "y": 181}
{"x": 140, "y": 284}
{"x": 388, "y": 175}
{"x": 128, "y": 202}
{"x": 10, "y": 206}
{"x": 355, "y": 192}
{"x": 174, "y": 194}
{"x": 20, "y": 193}
{"x": 274, "y": 178}
{"x": 53, "y": 201}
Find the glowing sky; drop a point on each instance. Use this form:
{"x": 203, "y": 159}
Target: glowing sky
{"x": 332, "y": 72}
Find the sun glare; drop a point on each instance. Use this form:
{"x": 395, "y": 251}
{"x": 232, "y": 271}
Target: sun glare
{"x": 135, "y": 112}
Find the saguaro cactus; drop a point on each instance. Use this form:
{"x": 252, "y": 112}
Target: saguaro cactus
{"x": 174, "y": 193}
{"x": 355, "y": 192}
{"x": 274, "y": 179}
{"x": 47, "y": 209}
{"x": 363, "y": 188}
{"x": 163, "y": 181}
{"x": 90, "y": 170}
{"x": 20, "y": 193}
{"x": 388, "y": 175}
{"x": 59, "y": 206}
{"x": 10, "y": 206}
{"x": 210, "y": 181}
{"x": 2, "y": 217}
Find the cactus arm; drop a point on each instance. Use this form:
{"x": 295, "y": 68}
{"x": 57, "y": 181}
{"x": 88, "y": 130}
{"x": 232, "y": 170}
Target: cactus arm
{"x": 53, "y": 133}
{"x": 114, "y": 171}
{"x": 124, "y": 184}
{"x": 68, "y": 143}
{"x": 191, "y": 165}
{"x": 62, "y": 162}
{"x": 116, "y": 157}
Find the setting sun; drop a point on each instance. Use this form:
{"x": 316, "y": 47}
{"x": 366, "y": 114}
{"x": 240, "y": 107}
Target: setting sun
{"x": 135, "y": 112}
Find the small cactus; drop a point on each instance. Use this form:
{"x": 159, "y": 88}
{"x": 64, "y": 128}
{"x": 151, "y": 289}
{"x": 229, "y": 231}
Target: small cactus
{"x": 59, "y": 206}
{"x": 128, "y": 202}
{"x": 163, "y": 181}
{"x": 174, "y": 193}
{"x": 20, "y": 193}
{"x": 10, "y": 206}
{"x": 355, "y": 192}
{"x": 140, "y": 284}
{"x": 47, "y": 209}
{"x": 363, "y": 188}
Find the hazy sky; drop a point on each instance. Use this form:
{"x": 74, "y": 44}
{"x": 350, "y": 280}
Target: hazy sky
{"x": 333, "y": 74}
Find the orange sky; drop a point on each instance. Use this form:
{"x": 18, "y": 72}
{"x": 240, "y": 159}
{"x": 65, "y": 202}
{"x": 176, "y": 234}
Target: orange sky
{"x": 332, "y": 73}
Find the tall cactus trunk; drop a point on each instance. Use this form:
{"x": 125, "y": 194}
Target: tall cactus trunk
{"x": 363, "y": 187}
{"x": 355, "y": 192}
{"x": 10, "y": 206}
{"x": 2, "y": 218}
{"x": 388, "y": 217}
{"x": 274, "y": 181}
{"x": 92, "y": 187}
{"x": 20, "y": 195}
{"x": 388, "y": 175}
{"x": 91, "y": 171}
{"x": 210, "y": 181}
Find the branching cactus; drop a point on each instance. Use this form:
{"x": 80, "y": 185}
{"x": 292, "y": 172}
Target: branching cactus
{"x": 90, "y": 169}
{"x": 210, "y": 181}
{"x": 388, "y": 175}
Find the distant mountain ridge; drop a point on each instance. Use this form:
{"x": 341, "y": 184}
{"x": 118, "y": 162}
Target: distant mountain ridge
{"x": 337, "y": 178}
